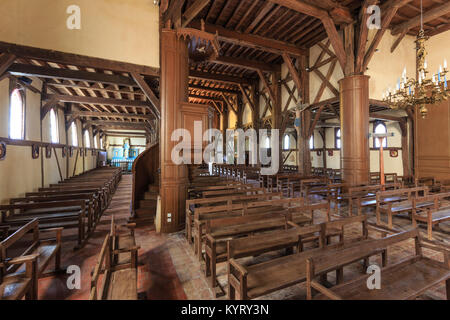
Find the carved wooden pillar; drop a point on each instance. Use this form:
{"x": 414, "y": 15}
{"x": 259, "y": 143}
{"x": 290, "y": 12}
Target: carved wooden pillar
{"x": 354, "y": 95}
{"x": 174, "y": 91}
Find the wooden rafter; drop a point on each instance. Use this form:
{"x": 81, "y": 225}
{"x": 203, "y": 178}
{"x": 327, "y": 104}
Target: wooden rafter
{"x": 140, "y": 81}
{"x": 193, "y": 11}
{"x": 75, "y": 59}
{"x": 98, "y": 100}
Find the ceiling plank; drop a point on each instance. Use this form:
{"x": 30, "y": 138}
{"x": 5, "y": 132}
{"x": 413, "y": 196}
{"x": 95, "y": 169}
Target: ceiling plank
{"x": 193, "y": 11}
{"x": 428, "y": 16}
{"x": 217, "y": 77}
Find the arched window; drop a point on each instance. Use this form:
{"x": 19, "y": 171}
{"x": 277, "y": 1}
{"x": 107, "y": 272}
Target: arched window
{"x": 54, "y": 127}
{"x": 380, "y": 128}
{"x": 17, "y": 115}
{"x": 101, "y": 144}
{"x": 311, "y": 142}
{"x": 267, "y": 143}
{"x": 74, "y": 134}
{"x": 286, "y": 142}
{"x": 337, "y": 136}
{"x": 87, "y": 140}
{"x": 95, "y": 142}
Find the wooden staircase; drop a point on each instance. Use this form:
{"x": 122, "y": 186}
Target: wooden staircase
{"x": 145, "y": 191}
{"x": 146, "y": 207}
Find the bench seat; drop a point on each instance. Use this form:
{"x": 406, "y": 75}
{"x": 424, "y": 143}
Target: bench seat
{"x": 13, "y": 288}
{"x": 46, "y": 253}
{"x": 398, "y": 282}
{"x": 123, "y": 285}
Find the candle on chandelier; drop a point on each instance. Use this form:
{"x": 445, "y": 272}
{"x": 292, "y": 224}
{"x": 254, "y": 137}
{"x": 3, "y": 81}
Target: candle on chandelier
{"x": 425, "y": 65}
{"x": 445, "y": 64}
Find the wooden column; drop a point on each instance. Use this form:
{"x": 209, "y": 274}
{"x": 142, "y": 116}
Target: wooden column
{"x": 174, "y": 92}
{"x": 354, "y": 106}
{"x": 276, "y": 112}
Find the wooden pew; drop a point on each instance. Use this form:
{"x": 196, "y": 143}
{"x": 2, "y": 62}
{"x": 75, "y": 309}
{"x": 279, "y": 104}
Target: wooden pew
{"x": 117, "y": 264}
{"x": 93, "y": 212}
{"x": 250, "y": 282}
{"x": 385, "y": 205}
{"x": 298, "y": 207}
{"x": 16, "y": 287}
{"x": 404, "y": 280}
{"x": 218, "y": 250}
{"x": 431, "y": 215}
{"x": 67, "y": 214}
{"x": 43, "y": 251}
{"x": 360, "y": 193}
{"x": 193, "y": 204}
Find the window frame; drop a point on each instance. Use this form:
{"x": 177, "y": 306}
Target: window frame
{"x": 22, "y": 92}
{"x": 86, "y": 135}
{"x": 336, "y": 138}
{"x": 385, "y": 141}
{"x": 74, "y": 125}
{"x": 289, "y": 142}
{"x": 55, "y": 110}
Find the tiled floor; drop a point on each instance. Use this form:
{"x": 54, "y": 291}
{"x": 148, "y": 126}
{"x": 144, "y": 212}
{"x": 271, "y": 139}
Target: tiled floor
{"x": 169, "y": 270}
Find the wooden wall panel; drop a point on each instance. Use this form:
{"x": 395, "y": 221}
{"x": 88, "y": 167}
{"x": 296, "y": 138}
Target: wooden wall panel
{"x": 432, "y": 138}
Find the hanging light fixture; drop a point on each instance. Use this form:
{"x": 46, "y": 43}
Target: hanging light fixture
{"x": 423, "y": 91}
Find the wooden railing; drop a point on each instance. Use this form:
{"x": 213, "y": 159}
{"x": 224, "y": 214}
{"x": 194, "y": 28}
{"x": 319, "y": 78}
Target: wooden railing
{"x": 145, "y": 172}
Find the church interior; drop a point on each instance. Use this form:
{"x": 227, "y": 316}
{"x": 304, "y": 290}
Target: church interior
{"x": 313, "y": 161}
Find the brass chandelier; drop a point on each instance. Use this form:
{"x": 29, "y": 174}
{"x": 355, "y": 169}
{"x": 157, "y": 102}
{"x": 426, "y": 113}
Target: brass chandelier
{"x": 423, "y": 91}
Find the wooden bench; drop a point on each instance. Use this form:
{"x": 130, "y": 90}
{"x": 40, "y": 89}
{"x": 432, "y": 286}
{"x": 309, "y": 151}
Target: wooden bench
{"x": 250, "y": 282}
{"x": 297, "y": 206}
{"x": 431, "y": 215}
{"x": 218, "y": 250}
{"x": 66, "y": 214}
{"x": 117, "y": 264}
{"x": 194, "y": 204}
{"x": 404, "y": 280}
{"x": 386, "y": 203}
{"x": 42, "y": 251}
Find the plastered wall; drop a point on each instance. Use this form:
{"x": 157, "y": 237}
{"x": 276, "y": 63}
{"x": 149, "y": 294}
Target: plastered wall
{"x": 19, "y": 172}
{"x": 122, "y": 30}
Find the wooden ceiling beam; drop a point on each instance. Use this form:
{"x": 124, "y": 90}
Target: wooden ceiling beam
{"x": 217, "y": 78}
{"x": 98, "y": 100}
{"x": 193, "y": 11}
{"x": 293, "y": 72}
{"x": 390, "y": 9}
{"x": 244, "y": 63}
{"x": 252, "y": 41}
{"x": 66, "y": 74}
{"x": 88, "y": 114}
{"x": 75, "y": 59}
{"x": 6, "y": 60}
{"x": 212, "y": 90}
{"x": 363, "y": 35}
{"x": 140, "y": 81}
{"x": 432, "y": 14}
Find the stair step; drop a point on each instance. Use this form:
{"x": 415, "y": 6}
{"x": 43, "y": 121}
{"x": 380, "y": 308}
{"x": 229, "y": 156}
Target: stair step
{"x": 146, "y": 212}
{"x": 151, "y": 196}
{"x": 147, "y": 204}
{"x": 153, "y": 188}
